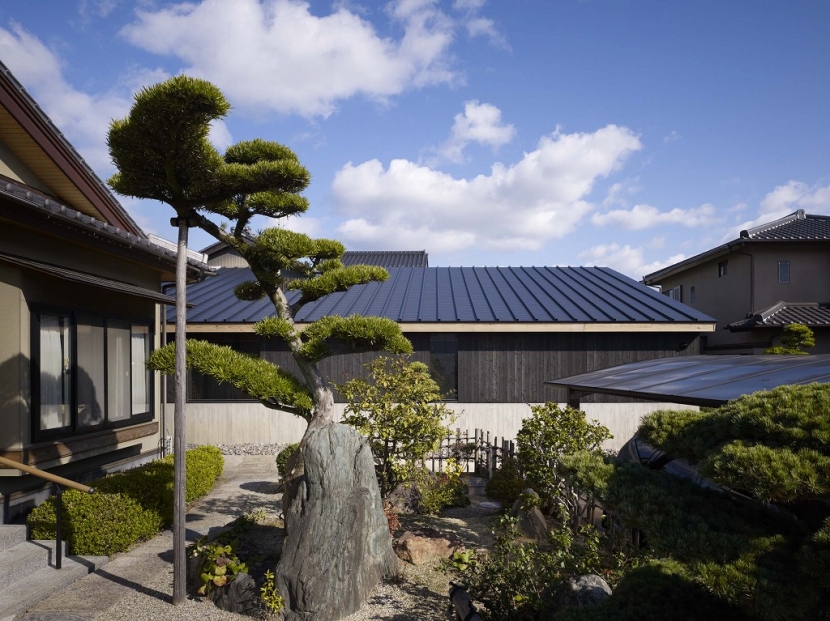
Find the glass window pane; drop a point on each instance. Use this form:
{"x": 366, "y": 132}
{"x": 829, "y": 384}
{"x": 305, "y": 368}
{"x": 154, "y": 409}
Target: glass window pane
{"x": 55, "y": 366}
{"x": 140, "y": 338}
{"x": 443, "y": 349}
{"x": 91, "y": 371}
{"x": 118, "y": 371}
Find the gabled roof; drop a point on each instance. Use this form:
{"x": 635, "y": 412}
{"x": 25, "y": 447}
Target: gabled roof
{"x": 529, "y": 297}
{"x": 40, "y": 146}
{"x": 387, "y": 258}
{"x": 796, "y": 227}
{"x": 812, "y": 314}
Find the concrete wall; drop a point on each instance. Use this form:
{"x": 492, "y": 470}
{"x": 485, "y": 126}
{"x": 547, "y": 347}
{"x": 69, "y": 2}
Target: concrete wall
{"x": 242, "y": 423}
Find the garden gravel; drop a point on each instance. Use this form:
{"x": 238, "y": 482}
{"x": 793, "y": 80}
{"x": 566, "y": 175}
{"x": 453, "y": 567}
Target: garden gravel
{"x": 138, "y": 585}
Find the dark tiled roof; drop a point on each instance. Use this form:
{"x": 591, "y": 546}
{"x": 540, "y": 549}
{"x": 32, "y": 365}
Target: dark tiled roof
{"x": 387, "y": 258}
{"x": 796, "y": 227}
{"x": 463, "y": 294}
{"x": 812, "y": 314}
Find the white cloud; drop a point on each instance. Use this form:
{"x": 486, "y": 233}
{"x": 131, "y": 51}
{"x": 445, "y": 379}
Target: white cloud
{"x": 645, "y": 216}
{"x": 625, "y": 259}
{"x": 83, "y": 118}
{"x": 277, "y": 55}
{"x": 478, "y": 26}
{"x": 521, "y": 206}
{"x": 618, "y": 192}
{"x": 313, "y": 227}
{"x": 671, "y": 137}
{"x": 784, "y": 200}
{"x": 480, "y": 122}
{"x": 220, "y": 136}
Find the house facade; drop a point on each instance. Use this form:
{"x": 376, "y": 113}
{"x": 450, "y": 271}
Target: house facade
{"x": 491, "y": 336}
{"x": 79, "y": 313}
{"x": 772, "y": 275}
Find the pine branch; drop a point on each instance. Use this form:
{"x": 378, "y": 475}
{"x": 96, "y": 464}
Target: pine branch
{"x": 333, "y": 335}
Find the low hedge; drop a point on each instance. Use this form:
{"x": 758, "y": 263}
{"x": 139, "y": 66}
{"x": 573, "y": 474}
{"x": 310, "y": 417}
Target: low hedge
{"x": 127, "y": 506}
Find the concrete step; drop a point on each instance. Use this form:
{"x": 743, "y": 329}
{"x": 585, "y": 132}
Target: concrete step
{"x": 24, "y": 594}
{"x": 11, "y": 535}
{"x": 24, "y": 559}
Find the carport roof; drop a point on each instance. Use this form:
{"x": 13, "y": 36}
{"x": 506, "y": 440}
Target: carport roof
{"x": 699, "y": 380}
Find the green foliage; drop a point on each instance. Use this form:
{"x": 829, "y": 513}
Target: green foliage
{"x": 518, "y": 579}
{"x": 275, "y": 328}
{"x": 330, "y": 335}
{"x": 764, "y": 563}
{"x": 399, "y": 411}
{"x": 256, "y": 377}
{"x": 271, "y": 598}
{"x": 283, "y": 456}
{"x": 334, "y": 280}
{"x": 127, "y": 506}
{"x": 438, "y": 490}
{"x": 795, "y": 339}
{"x": 249, "y": 291}
{"x": 217, "y": 565}
{"x": 544, "y": 438}
{"x": 507, "y": 483}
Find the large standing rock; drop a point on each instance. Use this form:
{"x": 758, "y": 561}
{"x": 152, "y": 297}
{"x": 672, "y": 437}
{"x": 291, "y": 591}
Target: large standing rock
{"x": 337, "y": 545}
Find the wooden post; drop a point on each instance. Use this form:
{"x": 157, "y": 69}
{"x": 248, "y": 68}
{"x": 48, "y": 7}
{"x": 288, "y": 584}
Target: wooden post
{"x": 179, "y": 443}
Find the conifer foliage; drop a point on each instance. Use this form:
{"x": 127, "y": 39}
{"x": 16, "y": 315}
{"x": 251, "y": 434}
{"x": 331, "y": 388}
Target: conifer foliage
{"x": 162, "y": 152}
{"x": 756, "y": 544}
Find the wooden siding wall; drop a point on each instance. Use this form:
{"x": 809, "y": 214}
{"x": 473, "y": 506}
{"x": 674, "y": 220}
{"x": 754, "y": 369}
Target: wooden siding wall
{"x": 512, "y": 368}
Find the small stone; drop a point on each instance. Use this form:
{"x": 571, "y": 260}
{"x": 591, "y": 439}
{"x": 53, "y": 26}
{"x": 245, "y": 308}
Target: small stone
{"x": 531, "y": 522}
{"x": 587, "y": 590}
{"x": 426, "y": 545}
{"x": 405, "y": 499}
{"x": 240, "y": 596}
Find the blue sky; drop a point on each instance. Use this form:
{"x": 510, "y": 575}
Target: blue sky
{"x": 630, "y": 134}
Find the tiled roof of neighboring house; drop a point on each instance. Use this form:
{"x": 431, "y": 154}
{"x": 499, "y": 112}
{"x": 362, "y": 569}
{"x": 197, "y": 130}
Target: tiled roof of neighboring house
{"x": 463, "y": 294}
{"x": 811, "y": 314}
{"x": 50, "y": 208}
{"x": 387, "y": 258}
{"x": 796, "y": 227}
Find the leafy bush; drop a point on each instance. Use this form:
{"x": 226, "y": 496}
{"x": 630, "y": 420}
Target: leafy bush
{"x": 127, "y": 506}
{"x": 795, "y": 339}
{"x": 506, "y": 484}
{"x": 217, "y": 565}
{"x": 438, "y": 490}
{"x": 400, "y": 412}
{"x": 284, "y": 455}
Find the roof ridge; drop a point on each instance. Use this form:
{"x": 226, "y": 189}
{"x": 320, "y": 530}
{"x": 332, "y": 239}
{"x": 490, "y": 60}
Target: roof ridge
{"x": 763, "y": 228}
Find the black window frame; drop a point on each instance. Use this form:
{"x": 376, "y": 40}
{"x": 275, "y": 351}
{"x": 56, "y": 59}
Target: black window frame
{"x": 73, "y": 429}
{"x": 788, "y": 275}
{"x": 723, "y": 268}
{"x": 449, "y": 391}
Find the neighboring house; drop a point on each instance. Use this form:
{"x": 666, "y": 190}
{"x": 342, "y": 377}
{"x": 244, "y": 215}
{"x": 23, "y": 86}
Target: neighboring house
{"x": 79, "y": 313}
{"x": 491, "y": 336}
{"x": 772, "y": 275}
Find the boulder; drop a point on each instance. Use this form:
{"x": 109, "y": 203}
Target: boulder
{"x": 337, "y": 545}
{"x": 426, "y": 545}
{"x": 587, "y": 590}
{"x": 532, "y": 522}
{"x": 405, "y": 499}
{"x": 240, "y": 596}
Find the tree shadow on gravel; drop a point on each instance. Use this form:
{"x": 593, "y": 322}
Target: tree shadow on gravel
{"x": 422, "y": 604}
{"x": 262, "y": 487}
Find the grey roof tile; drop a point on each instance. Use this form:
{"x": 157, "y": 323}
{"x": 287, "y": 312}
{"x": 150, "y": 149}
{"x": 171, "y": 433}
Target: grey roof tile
{"x": 813, "y": 314}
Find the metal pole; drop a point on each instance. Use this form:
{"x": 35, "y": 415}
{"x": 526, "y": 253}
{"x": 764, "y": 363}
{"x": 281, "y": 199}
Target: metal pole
{"x": 58, "y": 526}
{"x": 179, "y": 562}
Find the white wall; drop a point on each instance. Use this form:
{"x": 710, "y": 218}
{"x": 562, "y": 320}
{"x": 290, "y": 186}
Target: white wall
{"x": 242, "y": 423}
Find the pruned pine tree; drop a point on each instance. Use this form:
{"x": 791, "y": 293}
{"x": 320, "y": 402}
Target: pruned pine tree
{"x": 161, "y": 151}
{"x": 758, "y": 547}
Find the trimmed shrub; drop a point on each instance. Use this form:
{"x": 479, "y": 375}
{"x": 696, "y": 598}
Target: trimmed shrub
{"x": 282, "y": 457}
{"x": 127, "y": 506}
{"x": 506, "y": 484}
